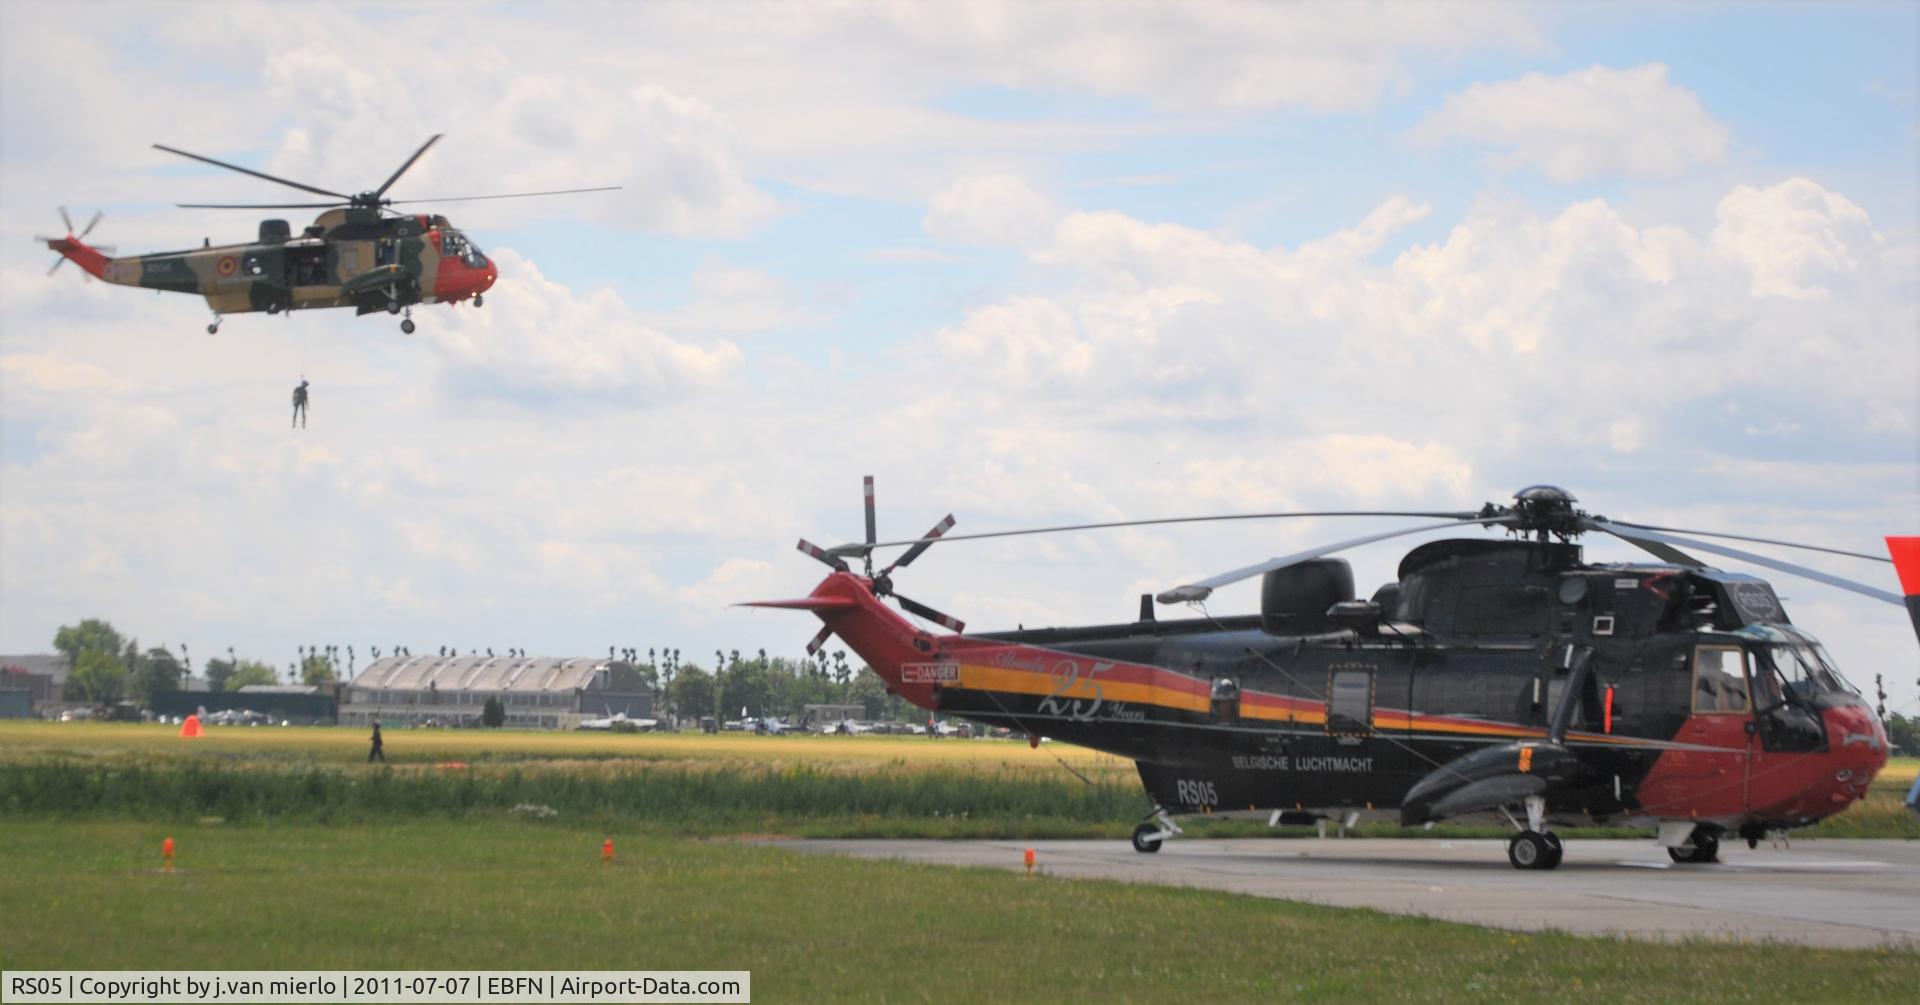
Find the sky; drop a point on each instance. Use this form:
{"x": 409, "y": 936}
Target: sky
{"x": 1025, "y": 263}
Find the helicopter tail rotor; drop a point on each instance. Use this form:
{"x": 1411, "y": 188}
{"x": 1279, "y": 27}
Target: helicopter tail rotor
{"x": 92, "y": 258}
{"x": 881, "y": 584}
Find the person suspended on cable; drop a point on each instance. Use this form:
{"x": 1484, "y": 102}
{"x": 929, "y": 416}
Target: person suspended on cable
{"x": 300, "y": 404}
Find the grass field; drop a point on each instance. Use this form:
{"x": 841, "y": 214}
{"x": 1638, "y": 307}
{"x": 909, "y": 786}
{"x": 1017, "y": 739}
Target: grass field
{"x": 689, "y": 784}
{"x": 505, "y": 894}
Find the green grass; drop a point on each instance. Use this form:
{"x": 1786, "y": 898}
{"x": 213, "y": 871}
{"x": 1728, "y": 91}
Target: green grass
{"x": 502, "y": 895}
{"x": 686, "y": 784}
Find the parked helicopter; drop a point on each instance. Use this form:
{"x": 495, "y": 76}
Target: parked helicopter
{"x": 1495, "y": 679}
{"x": 359, "y": 254}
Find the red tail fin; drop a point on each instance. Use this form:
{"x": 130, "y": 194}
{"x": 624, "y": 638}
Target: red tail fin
{"x": 87, "y": 258}
{"x": 1906, "y": 562}
{"x": 885, "y": 640}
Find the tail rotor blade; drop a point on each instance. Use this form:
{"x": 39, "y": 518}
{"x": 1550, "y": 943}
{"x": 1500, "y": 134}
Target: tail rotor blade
{"x": 916, "y": 607}
{"x": 871, "y": 536}
{"x": 92, "y": 223}
{"x": 925, "y": 542}
{"x": 56, "y": 265}
{"x": 64, "y": 218}
{"x": 819, "y": 640}
{"x": 819, "y": 554}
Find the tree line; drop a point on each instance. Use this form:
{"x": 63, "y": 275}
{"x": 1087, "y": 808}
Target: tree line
{"x": 105, "y": 667}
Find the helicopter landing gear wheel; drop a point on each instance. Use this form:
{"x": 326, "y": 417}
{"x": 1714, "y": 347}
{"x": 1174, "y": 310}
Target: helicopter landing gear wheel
{"x": 406, "y": 327}
{"x": 478, "y": 300}
{"x": 1700, "y": 849}
{"x": 1533, "y": 850}
{"x": 214, "y": 328}
{"x": 1554, "y": 850}
{"x": 1147, "y": 839}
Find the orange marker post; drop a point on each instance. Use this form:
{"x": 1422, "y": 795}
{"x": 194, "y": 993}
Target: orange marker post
{"x": 606, "y": 852}
{"x": 1029, "y": 863}
{"x": 166, "y": 855}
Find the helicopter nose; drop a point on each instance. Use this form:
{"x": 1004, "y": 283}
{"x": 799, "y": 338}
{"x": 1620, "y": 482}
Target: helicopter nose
{"x": 487, "y": 277}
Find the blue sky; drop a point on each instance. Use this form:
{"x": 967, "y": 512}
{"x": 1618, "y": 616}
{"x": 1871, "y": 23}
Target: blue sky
{"x": 1024, "y": 263}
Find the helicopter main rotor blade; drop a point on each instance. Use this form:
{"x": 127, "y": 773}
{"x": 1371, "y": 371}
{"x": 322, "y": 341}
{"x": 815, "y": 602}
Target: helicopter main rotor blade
{"x": 926, "y": 542}
{"x": 916, "y": 607}
{"x": 509, "y": 195}
{"x": 821, "y": 554}
{"x": 1601, "y": 524}
{"x": 256, "y": 174}
{"x": 1789, "y": 568}
{"x": 431, "y": 140}
{"x": 1205, "y": 588}
{"x": 261, "y": 205}
{"x": 1659, "y": 549}
{"x": 857, "y": 549}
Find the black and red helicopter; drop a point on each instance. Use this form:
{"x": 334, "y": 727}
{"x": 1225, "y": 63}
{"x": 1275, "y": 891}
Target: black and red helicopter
{"x": 1496, "y": 678}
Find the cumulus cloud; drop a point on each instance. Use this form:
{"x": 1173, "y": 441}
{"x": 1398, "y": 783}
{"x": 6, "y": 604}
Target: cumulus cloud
{"x": 1795, "y": 237}
{"x": 1598, "y": 121}
{"x": 535, "y": 335}
{"x": 989, "y": 209}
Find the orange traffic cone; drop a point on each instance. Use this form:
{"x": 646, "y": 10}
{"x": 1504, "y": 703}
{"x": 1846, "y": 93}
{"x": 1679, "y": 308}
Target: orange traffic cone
{"x": 1029, "y": 863}
{"x": 166, "y": 855}
{"x": 191, "y": 727}
{"x": 606, "y": 851}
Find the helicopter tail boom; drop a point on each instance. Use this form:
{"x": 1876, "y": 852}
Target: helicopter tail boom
{"x": 83, "y": 255}
{"x": 887, "y": 642}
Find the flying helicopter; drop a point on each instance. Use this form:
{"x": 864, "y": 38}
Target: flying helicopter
{"x": 359, "y": 253}
{"x": 1496, "y": 679}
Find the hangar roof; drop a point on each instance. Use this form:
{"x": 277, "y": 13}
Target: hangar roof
{"x": 481, "y": 673}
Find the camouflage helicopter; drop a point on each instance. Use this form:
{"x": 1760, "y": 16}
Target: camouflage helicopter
{"x": 359, "y": 253}
{"x": 1501, "y": 680}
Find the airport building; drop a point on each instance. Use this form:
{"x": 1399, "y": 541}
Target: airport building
{"x": 537, "y": 692}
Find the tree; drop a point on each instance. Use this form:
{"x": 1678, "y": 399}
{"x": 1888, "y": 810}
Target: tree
{"x": 493, "y": 715}
{"x": 250, "y": 672}
{"x": 93, "y": 633}
{"x": 691, "y": 692}
{"x": 316, "y": 669}
{"x": 154, "y": 671}
{"x": 98, "y": 677}
{"x": 220, "y": 673}
{"x": 871, "y": 694}
{"x": 1904, "y": 733}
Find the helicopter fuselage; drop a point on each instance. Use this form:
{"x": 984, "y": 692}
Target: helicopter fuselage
{"x": 1492, "y": 677}
{"x": 348, "y": 258}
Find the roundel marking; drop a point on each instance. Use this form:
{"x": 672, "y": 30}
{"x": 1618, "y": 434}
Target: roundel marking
{"x": 226, "y": 265}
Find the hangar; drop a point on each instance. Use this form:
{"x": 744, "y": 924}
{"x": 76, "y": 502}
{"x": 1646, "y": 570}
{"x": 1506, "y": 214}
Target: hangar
{"x": 538, "y": 692}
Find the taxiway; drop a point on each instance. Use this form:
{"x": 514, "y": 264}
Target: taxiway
{"x": 1832, "y": 893}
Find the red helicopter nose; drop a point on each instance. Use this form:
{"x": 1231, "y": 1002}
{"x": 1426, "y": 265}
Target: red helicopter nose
{"x": 1859, "y": 745}
{"x": 488, "y": 276}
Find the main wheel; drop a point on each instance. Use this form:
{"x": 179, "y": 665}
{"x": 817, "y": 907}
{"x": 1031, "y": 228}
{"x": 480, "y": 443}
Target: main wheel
{"x": 1699, "y": 849}
{"x": 1146, "y": 839}
{"x": 213, "y": 329}
{"x": 393, "y": 307}
{"x": 407, "y": 326}
{"x": 478, "y": 300}
{"x": 1528, "y": 850}
{"x": 1554, "y": 851}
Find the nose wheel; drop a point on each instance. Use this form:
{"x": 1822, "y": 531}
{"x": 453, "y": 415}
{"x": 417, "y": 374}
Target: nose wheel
{"x": 478, "y": 300}
{"x": 214, "y": 328}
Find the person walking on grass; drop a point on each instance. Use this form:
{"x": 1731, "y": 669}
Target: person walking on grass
{"x": 376, "y": 754}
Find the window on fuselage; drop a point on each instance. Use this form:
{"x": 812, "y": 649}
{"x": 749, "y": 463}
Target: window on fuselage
{"x": 1350, "y": 702}
{"x": 1792, "y": 673}
{"x": 1720, "y": 680}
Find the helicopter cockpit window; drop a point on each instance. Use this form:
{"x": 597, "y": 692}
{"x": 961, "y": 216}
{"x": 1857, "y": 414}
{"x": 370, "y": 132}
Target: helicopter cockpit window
{"x": 1797, "y": 672}
{"x": 454, "y": 244}
{"x": 1720, "y": 679}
